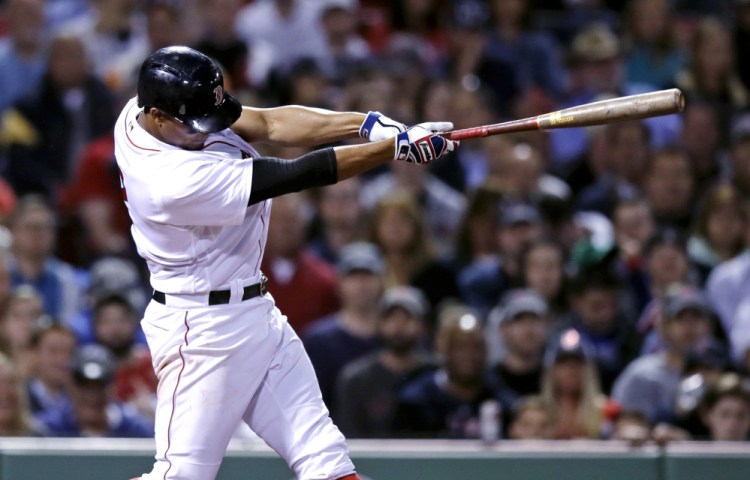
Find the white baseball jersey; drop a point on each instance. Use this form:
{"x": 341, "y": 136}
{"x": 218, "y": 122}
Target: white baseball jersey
{"x": 217, "y": 365}
{"x": 189, "y": 209}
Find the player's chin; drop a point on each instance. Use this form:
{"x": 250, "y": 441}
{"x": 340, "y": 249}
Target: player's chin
{"x": 195, "y": 141}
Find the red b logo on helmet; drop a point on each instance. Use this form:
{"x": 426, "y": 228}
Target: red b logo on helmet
{"x": 219, "y": 95}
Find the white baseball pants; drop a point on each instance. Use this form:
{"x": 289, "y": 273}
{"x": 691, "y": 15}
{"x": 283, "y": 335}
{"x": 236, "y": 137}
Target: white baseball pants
{"x": 221, "y": 364}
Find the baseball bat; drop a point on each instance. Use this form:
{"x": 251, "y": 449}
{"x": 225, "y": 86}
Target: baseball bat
{"x": 632, "y": 107}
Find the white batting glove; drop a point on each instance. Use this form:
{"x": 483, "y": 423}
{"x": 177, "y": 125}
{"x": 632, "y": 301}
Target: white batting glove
{"x": 378, "y": 127}
{"x": 420, "y": 145}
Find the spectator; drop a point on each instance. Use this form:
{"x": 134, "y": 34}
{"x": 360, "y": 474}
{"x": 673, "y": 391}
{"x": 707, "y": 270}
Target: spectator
{"x": 702, "y": 139}
{"x": 292, "y": 269}
{"x": 6, "y": 290}
{"x": 532, "y": 420}
{"x": 93, "y": 412}
{"x": 350, "y": 333}
{"x": 115, "y": 327}
{"x": 649, "y": 384}
{"x": 597, "y": 318}
{"x": 631, "y": 427}
{"x": 739, "y": 156}
{"x": 726, "y": 409}
{"x": 367, "y": 388}
{"x": 669, "y": 186}
{"x": 710, "y": 75}
{"x": 23, "y": 310}
{"x": 50, "y": 380}
{"x": 345, "y": 48}
{"x": 543, "y": 264}
{"x": 245, "y": 64}
{"x": 521, "y": 324}
{"x": 95, "y": 218}
{"x": 515, "y": 59}
{"x": 475, "y": 239}
{"x": 341, "y": 219}
{"x": 652, "y": 56}
{"x": 398, "y": 227}
{"x": 446, "y": 403}
{"x": 718, "y": 228}
{"x": 71, "y": 108}
{"x": 570, "y": 389}
{"x": 292, "y": 28}
{"x": 22, "y": 51}
{"x": 442, "y": 206}
{"x": 623, "y": 173}
{"x": 34, "y": 263}
{"x": 15, "y": 418}
{"x": 484, "y": 282}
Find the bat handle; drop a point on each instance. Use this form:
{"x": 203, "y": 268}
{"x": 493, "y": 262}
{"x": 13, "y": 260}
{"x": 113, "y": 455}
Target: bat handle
{"x": 475, "y": 132}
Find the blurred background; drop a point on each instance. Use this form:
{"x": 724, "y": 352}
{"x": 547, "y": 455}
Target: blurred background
{"x": 588, "y": 283}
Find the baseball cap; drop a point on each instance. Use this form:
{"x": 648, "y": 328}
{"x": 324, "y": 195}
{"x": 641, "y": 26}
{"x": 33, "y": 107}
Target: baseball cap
{"x": 360, "y": 257}
{"x": 519, "y": 301}
{"x": 569, "y": 344}
{"x": 110, "y": 275}
{"x": 666, "y": 236}
{"x": 409, "y": 298}
{"x": 686, "y": 298}
{"x": 189, "y": 86}
{"x": 594, "y": 43}
{"x": 93, "y": 363}
{"x": 517, "y": 214}
{"x": 340, "y": 4}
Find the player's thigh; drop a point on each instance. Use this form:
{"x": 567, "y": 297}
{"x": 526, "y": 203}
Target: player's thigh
{"x": 207, "y": 377}
{"x": 288, "y": 407}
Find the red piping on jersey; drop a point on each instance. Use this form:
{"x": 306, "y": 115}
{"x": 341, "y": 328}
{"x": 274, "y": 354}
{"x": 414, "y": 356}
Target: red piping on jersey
{"x": 260, "y": 245}
{"x": 174, "y": 396}
{"x": 131, "y": 140}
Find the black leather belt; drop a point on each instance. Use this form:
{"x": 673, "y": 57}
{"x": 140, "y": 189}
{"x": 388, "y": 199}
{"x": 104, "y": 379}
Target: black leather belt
{"x": 222, "y": 297}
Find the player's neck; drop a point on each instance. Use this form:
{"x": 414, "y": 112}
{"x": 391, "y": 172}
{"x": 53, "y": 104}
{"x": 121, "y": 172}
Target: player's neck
{"x": 148, "y": 123}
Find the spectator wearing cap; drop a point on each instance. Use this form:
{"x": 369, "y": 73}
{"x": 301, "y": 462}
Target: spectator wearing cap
{"x": 366, "y": 388}
{"x": 446, "y": 403}
{"x": 116, "y": 328}
{"x": 301, "y": 283}
{"x": 650, "y": 383}
{"x": 49, "y": 381}
{"x": 725, "y": 409}
{"x": 351, "y": 332}
{"x": 597, "y": 316}
{"x": 483, "y": 282}
{"x": 596, "y": 71}
{"x": 345, "y": 48}
{"x": 570, "y": 388}
{"x": 520, "y": 322}
{"x": 93, "y": 412}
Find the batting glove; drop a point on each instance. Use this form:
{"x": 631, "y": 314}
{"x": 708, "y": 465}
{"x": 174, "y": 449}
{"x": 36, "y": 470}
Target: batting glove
{"x": 378, "y": 127}
{"x": 420, "y": 145}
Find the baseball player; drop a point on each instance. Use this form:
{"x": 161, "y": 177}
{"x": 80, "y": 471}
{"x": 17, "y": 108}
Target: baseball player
{"x": 199, "y": 197}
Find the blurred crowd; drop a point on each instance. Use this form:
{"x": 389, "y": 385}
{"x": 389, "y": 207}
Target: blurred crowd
{"x": 578, "y": 283}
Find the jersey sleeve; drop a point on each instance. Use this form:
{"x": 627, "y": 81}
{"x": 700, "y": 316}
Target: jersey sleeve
{"x": 205, "y": 191}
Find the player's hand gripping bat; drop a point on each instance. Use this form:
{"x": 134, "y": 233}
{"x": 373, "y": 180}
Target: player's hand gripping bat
{"x": 632, "y": 107}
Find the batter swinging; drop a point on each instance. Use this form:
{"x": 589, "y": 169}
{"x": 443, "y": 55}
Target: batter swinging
{"x": 199, "y": 198}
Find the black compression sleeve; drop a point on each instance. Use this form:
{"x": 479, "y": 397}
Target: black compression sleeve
{"x": 273, "y": 177}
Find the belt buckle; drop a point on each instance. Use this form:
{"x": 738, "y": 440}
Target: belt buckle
{"x": 263, "y": 285}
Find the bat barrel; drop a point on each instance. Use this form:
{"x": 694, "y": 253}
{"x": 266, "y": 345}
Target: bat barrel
{"x": 633, "y": 107}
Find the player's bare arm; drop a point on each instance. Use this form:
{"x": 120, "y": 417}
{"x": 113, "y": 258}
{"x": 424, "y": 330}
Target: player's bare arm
{"x": 296, "y": 126}
{"x": 300, "y": 126}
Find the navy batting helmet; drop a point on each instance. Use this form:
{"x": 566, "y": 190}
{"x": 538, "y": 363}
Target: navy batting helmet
{"x": 189, "y": 86}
